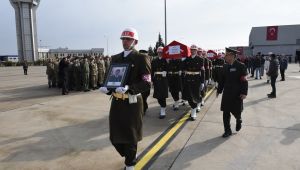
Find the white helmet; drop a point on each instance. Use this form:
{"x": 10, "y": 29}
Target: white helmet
{"x": 160, "y": 49}
{"x": 193, "y": 47}
{"x": 130, "y": 33}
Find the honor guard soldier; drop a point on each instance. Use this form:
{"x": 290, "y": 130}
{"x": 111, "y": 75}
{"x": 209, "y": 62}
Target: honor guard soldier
{"x": 193, "y": 80}
{"x": 146, "y": 93}
{"x": 234, "y": 85}
{"x": 207, "y": 71}
{"x": 200, "y": 54}
{"x": 175, "y": 80}
{"x": 126, "y": 111}
{"x": 160, "y": 81}
{"x": 219, "y": 62}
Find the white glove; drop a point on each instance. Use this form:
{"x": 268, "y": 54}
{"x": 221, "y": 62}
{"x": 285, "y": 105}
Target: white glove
{"x": 103, "y": 90}
{"x": 202, "y": 86}
{"x": 182, "y": 59}
{"x": 180, "y": 72}
{"x": 164, "y": 73}
{"x": 122, "y": 89}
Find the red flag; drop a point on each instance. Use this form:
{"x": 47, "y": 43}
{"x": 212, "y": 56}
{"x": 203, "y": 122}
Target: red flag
{"x": 272, "y": 33}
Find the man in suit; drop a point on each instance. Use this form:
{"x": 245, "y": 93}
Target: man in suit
{"x": 126, "y": 111}
{"x": 234, "y": 85}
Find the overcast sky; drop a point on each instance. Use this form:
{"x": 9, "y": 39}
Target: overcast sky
{"x": 211, "y": 24}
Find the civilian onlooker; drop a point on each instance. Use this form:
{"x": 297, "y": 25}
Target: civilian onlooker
{"x": 267, "y": 66}
{"x": 257, "y": 66}
{"x": 262, "y": 64}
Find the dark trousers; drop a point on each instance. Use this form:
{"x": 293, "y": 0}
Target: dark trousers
{"x": 65, "y": 86}
{"x": 226, "y": 119}
{"x": 282, "y": 73}
{"x": 25, "y": 71}
{"x": 145, "y": 95}
{"x": 192, "y": 104}
{"x": 273, "y": 82}
{"x": 175, "y": 95}
{"x": 162, "y": 102}
{"x": 127, "y": 150}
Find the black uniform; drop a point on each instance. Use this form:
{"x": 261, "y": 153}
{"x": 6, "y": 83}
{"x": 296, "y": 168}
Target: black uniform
{"x": 233, "y": 83}
{"x": 160, "y": 83}
{"x": 174, "y": 79}
{"x": 25, "y": 67}
{"x": 218, "y": 69}
{"x": 193, "y": 68}
{"x": 125, "y": 119}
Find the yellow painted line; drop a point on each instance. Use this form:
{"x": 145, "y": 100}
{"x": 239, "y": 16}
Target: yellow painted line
{"x": 150, "y": 154}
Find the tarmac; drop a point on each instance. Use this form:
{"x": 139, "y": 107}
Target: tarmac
{"x": 41, "y": 129}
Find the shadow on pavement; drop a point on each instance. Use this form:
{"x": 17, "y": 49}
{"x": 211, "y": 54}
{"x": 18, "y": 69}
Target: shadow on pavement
{"x": 291, "y": 134}
{"x": 254, "y": 102}
{"x": 196, "y": 150}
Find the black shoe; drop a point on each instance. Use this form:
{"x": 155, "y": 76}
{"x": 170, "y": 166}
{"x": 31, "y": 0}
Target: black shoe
{"x": 192, "y": 118}
{"x": 238, "y": 125}
{"x": 197, "y": 110}
{"x": 227, "y": 134}
{"x": 162, "y": 116}
{"x": 271, "y": 96}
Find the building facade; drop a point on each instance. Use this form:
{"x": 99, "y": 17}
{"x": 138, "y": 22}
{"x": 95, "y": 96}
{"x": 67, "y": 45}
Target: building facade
{"x": 284, "y": 39}
{"x": 45, "y": 54}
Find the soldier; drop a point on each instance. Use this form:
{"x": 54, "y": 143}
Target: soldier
{"x": 126, "y": 127}
{"x": 77, "y": 75}
{"x": 193, "y": 81}
{"x": 85, "y": 74}
{"x": 175, "y": 80}
{"x": 101, "y": 70}
{"x": 219, "y": 62}
{"x": 160, "y": 81}
{"x": 55, "y": 77}
{"x": 145, "y": 94}
{"x": 93, "y": 73}
{"x": 50, "y": 72}
{"x": 234, "y": 86}
{"x": 207, "y": 72}
{"x": 63, "y": 72}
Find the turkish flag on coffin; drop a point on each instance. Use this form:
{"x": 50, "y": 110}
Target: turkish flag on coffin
{"x": 272, "y": 33}
{"x": 176, "y": 50}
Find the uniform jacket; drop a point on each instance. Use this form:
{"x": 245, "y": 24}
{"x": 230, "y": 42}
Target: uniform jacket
{"x": 191, "y": 85}
{"x": 174, "y": 80}
{"x": 233, "y": 83}
{"x": 160, "y": 83}
{"x": 125, "y": 119}
{"x": 273, "y": 69}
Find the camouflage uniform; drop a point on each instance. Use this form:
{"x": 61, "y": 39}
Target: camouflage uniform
{"x": 50, "y": 73}
{"x": 93, "y": 74}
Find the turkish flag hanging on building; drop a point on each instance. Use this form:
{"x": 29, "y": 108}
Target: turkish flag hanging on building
{"x": 272, "y": 33}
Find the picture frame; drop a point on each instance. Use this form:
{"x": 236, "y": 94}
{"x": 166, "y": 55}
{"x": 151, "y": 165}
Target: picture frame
{"x": 116, "y": 76}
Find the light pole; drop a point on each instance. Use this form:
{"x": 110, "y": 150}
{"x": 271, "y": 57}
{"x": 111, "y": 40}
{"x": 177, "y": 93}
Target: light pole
{"x": 165, "y": 22}
{"x": 107, "y": 53}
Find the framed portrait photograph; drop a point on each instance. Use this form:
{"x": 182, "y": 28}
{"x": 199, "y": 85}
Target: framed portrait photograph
{"x": 116, "y": 76}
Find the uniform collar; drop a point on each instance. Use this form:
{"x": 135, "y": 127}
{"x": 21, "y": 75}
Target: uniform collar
{"x": 126, "y": 53}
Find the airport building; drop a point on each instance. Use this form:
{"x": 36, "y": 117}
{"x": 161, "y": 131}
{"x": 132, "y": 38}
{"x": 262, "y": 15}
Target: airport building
{"x": 283, "y": 39}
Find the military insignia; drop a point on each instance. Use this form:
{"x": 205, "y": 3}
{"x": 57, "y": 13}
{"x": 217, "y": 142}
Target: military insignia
{"x": 232, "y": 69}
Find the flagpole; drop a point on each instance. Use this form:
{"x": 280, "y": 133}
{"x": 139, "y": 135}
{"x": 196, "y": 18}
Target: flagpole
{"x": 165, "y": 22}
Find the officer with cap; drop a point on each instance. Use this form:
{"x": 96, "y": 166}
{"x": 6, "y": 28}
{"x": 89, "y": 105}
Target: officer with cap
{"x": 234, "y": 85}
{"x": 160, "y": 81}
{"x": 126, "y": 111}
{"x": 192, "y": 81}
